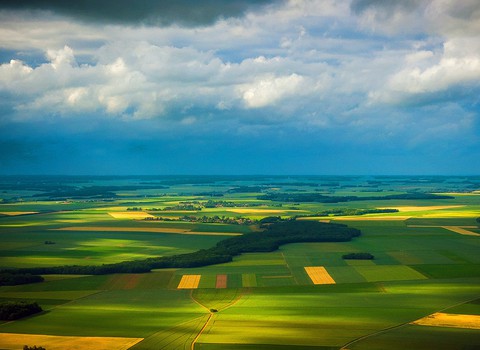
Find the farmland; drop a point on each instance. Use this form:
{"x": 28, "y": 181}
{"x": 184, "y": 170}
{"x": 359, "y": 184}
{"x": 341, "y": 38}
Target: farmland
{"x": 301, "y": 296}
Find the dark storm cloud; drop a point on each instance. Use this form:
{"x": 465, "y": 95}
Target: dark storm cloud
{"x": 151, "y": 12}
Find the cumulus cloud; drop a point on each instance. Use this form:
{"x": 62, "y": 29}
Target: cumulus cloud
{"x": 268, "y": 90}
{"x": 291, "y": 65}
{"x": 426, "y": 73}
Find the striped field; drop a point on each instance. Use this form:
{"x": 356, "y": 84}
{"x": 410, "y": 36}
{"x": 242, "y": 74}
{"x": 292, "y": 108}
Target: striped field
{"x": 221, "y": 281}
{"x": 189, "y": 282}
{"x": 319, "y": 275}
{"x": 249, "y": 280}
{"x": 130, "y": 215}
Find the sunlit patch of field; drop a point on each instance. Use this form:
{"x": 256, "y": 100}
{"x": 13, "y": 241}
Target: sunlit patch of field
{"x": 319, "y": 275}
{"x": 462, "y": 230}
{"x": 189, "y": 282}
{"x": 54, "y": 342}
{"x": 424, "y": 208}
{"x": 440, "y": 319}
{"x": 15, "y": 213}
{"x": 130, "y": 215}
{"x": 145, "y": 229}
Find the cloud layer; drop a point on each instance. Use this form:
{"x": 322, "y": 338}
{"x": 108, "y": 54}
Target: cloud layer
{"x": 349, "y": 77}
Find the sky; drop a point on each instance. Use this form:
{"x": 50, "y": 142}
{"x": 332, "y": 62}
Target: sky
{"x": 240, "y": 87}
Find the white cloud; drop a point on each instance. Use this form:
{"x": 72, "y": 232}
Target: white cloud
{"x": 316, "y": 62}
{"x": 268, "y": 90}
{"x": 426, "y": 72}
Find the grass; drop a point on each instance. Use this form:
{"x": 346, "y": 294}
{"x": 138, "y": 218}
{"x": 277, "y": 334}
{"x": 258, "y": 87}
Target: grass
{"x": 269, "y": 301}
{"x": 388, "y": 273}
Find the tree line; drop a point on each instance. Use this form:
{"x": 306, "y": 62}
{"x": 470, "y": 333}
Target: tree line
{"x": 13, "y": 279}
{"x": 275, "y": 234}
{"x": 13, "y": 310}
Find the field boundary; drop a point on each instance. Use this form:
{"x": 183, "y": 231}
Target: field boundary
{"x": 319, "y": 275}
{"x": 457, "y": 229}
{"x": 440, "y": 319}
{"x": 59, "y": 342}
{"x": 385, "y": 330}
{"x": 189, "y": 282}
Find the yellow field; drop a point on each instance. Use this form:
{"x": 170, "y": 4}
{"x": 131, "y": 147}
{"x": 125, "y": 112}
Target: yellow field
{"x": 424, "y": 208}
{"x": 15, "y": 213}
{"x": 462, "y": 230}
{"x": 319, "y": 275}
{"x": 189, "y": 282}
{"x": 144, "y": 229}
{"x": 440, "y": 319}
{"x": 53, "y": 342}
{"x": 130, "y": 215}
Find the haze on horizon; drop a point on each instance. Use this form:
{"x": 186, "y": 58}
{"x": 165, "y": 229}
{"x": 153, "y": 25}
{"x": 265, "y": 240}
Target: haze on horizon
{"x": 240, "y": 87}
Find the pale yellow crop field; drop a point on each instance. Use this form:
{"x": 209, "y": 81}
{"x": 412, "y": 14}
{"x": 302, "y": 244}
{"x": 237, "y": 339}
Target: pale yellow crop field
{"x": 130, "y": 215}
{"x": 462, "y": 230}
{"x": 319, "y": 275}
{"x": 189, "y": 282}
{"x": 440, "y": 319}
{"x": 53, "y": 342}
{"x": 424, "y": 208}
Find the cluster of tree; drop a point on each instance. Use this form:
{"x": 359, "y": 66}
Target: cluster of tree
{"x": 276, "y": 234}
{"x": 270, "y": 220}
{"x": 218, "y": 220}
{"x": 49, "y": 242}
{"x": 350, "y": 211}
{"x": 13, "y": 310}
{"x": 26, "y": 347}
{"x": 159, "y": 218}
{"x": 134, "y": 209}
{"x": 188, "y": 206}
{"x": 320, "y": 198}
{"x": 358, "y": 256}
{"x": 228, "y": 204}
{"x": 13, "y": 279}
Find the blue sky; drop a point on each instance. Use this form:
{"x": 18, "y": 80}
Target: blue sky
{"x": 240, "y": 87}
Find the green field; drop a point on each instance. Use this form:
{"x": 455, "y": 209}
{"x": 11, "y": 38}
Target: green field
{"x": 421, "y": 266}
